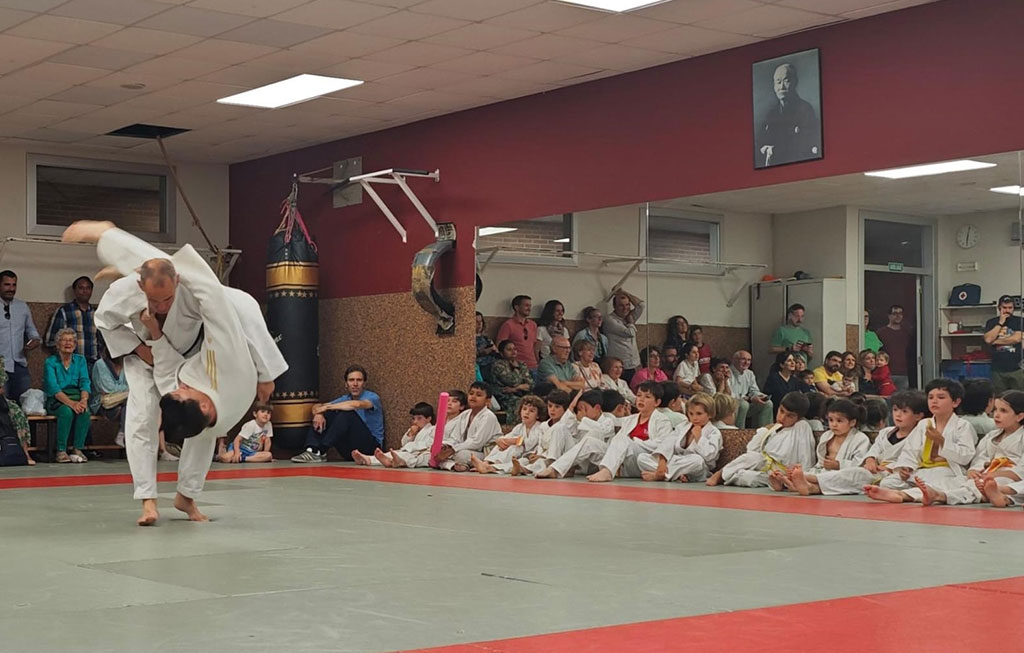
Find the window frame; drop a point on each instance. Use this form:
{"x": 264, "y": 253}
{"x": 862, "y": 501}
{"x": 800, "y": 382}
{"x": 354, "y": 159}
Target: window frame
{"x": 168, "y": 231}
{"x": 514, "y": 258}
{"x": 714, "y": 220}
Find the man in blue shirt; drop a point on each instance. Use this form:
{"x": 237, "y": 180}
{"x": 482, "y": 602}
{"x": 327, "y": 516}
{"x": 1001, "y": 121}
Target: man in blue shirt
{"x": 352, "y": 422}
{"x": 78, "y": 315}
{"x": 18, "y": 334}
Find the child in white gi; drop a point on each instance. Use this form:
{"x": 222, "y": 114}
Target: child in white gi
{"x": 477, "y": 428}
{"x": 639, "y": 433}
{"x": 596, "y": 428}
{"x": 525, "y": 437}
{"x": 416, "y": 442}
{"x": 692, "y": 451}
{"x": 843, "y": 446}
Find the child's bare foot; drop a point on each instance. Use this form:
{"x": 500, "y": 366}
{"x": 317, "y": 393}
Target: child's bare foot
{"x": 928, "y": 495}
{"x": 546, "y": 473}
{"x": 602, "y": 475}
{"x": 396, "y": 460}
{"x": 189, "y": 507}
{"x": 653, "y": 476}
{"x": 775, "y": 479}
{"x": 149, "y": 513}
{"x": 715, "y": 478}
{"x": 883, "y": 494}
{"x": 517, "y": 469}
{"x": 383, "y": 458}
{"x": 481, "y": 466}
{"x": 798, "y": 482}
{"x": 994, "y": 494}
{"x": 360, "y": 458}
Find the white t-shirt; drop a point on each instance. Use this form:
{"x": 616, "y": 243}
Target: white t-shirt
{"x": 251, "y": 433}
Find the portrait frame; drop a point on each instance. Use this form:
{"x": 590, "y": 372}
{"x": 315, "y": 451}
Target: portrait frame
{"x": 787, "y": 130}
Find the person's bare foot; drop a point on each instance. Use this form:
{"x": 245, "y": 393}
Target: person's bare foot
{"x": 883, "y": 494}
{"x": 481, "y": 467}
{"x": 775, "y": 478}
{"x": 360, "y": 458}
{"x": 602, "y": 475}
{"x": 517, "y": 469}
{"x": 30, "y": 461}
{"x": 715, "y": 479}
{"x": 396, "y": 460}
{"x": 928, "y": 495}
{"x": 994, "y": 493}
{"x": 546, "y": 473}
{"x": 189, "y": 507}
{"x": 149, "y": 513}
{"x": 383, "y": 458}
{"x": 798, "y": 481}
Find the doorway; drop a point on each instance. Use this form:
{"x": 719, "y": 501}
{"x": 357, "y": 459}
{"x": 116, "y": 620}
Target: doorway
{"x": 883, "y": 290}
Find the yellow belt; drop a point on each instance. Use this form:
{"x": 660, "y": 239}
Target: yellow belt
{"x": 770, "y": 464}
{"x": 926, "y": 457}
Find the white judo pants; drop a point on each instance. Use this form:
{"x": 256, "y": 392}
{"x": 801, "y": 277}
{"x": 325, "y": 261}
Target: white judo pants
{"x": 689, "y": 465}
{"x": 586, "y": 454}
{"x": 745, "y": 470}
{"x": 623, "y": 452}
{"x": 940, "y": 478}
{"x": 846, "y": 481}
{"x": 410, "y": 458}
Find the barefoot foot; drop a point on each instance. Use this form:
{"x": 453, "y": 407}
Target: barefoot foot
{"x": 360, "y": 458}
{"x": 798, "y": 481}
{"x": 149, "y": 513}
{"x": 383, "y": 458}
{"x": 775, "y": 480}
{"x": 928, "y": 495}
{"x": 460, "y": 467}
{"x": 653, "y": 476}
{"x": 883, "y": 494}
{"x": 715, "y": 479}
{"x": 994, "y": 494}
{"x": 546, "y": 473}
{"x": 396, "y": 460}
{"x": 188, "y": 506}
{"x": 480, "y": 466}
{"x": 517, "y": 469}
{"x": 602, "y": 475}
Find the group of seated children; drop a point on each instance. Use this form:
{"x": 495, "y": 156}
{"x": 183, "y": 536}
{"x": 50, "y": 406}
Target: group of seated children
{"x": 930, "y": 454}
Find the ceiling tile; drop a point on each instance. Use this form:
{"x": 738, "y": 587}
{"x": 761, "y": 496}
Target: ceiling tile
{"x": 615, "y": 29}
{"x": 475, "y": 10}
{"x": 765, "y": 21}
{"x": 377, "y": 92}
{"x": 297, "y": 62}
{"x": 418, "y": 53}
{"x": 834, "y": 7}
{"x": 12, "y": 17}
{"x": 95, "y": 95}
{"x": 91, "y": 123}
{"x": 53, "y": 135}
{"x": 138, "y": 39}
{"x": 348, "y": 44}
{"x": 549, "y": 72}
{"x": 619, "y": 58}
{"x": 396, "y": 4}
{"x": 247, "y": 76}
{"x": 12, "y": 102}
{"x": 546, "y": 46}
{"x": 16, "y": 52}
{"x": 364, "y": 69}
{"x": 407, "y": 25}
{"x": 482, "y": 36}
{"x": 58, "y": 72}
{"x": 104, "y": 141}
{"x": 65, "y": 30}
{"x": 689, "y": 40}
{"x": 274, "y": 33}
{"x": 692, "y": 11}
{"x": 255, "y": 8}
{"x": 444, "y": 100}
{"x": 106, "y": 58}
{"x": 336, "y": 14}
{"x": 498, "y": 87}
{"x": 177, "y": 67}
{"x": 227, "y": 52}
{"x": 889, "y": 6}
{"x": 484, "y": 63}
{"x": 200, "y": 22}
{"x": 110, "y": 11}
{"x": 117, "y": 80}
{"x": 423, "y": 78}
{"x": 547, "y": 17}
{"x": 31, "y": 88}
{"x": 59, "y": 109}
{"x": 37, "y": 6}
{"x": 26, "y": 118}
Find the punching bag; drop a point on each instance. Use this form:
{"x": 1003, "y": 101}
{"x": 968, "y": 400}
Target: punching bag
{"x": 293, "y": 277}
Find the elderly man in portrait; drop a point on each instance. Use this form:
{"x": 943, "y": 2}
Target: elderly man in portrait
{"x": 790, "y": 130}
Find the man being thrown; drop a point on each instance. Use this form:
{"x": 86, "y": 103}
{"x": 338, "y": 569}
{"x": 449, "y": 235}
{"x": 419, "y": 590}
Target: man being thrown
{"x": 157, "y": 308}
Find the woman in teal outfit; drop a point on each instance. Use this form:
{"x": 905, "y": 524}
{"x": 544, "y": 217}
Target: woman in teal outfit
{"x": 67, "y": 387}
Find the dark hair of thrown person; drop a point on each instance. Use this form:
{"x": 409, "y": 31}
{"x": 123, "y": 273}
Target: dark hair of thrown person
{"x": 181, "y": 420}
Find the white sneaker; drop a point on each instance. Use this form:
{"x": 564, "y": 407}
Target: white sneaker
{"x": 308, "y": 456}
{"x": 119, "y": 440}
{"x": 75, "y": 458}
{"x": 167, "y": 457}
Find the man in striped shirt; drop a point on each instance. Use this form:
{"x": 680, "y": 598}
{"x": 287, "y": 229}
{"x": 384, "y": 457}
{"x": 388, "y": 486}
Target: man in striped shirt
{"x": 78, "y": 315}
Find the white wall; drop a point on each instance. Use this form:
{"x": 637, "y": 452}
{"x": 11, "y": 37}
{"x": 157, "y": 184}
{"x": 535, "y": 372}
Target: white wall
{"x": 997, "y": 256}
{"x": 46, "y": 270}
{"x": 744, "y": 238}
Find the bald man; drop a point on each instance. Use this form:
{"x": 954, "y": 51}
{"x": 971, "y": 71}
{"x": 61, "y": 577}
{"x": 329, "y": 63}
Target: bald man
{"x": 558, "y": 370}
{"x": 753, "y": 404}
{"x": 790, "y": 130}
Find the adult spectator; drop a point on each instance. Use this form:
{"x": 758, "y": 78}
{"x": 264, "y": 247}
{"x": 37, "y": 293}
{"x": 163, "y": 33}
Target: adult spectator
{"x": 486, "y": 352}
{"x": 687, "y": 374}
{"x": 592, "y": 332}
{"x": 752, "y": 402}
{"x": 1003, "y": 334}
{"x": 110, "y": 392}
{"x": 557, "y": 370}
{"x": 612, "y": 379}
{"x": 850, "y": 368}
{"x": 897, "y": 342}
{"x": 793, "y": 336}
{"x": 704, "y": 359}
{"x": 67, "y": 386}
{"x": 716, "y": 381}
{"x": 353, "y": 421}
{"x": 77, "y": 315}
{"x": 620, "y": 327}
{"x": 521, "y": 330}
{"x": 871, "y": 340}
{"x": 669, "y": 359}
{"x": 650, "y": 358}
{"x": 586, "y": 366}
{"x": 828, "y": 379}
{"x": 551, "y": 325}
{"x": 865, "y": 368}
{"x": 677, "y": 332}
{"x": 18, "y": 334}
{"x": 512, "y": 380}
{"x": 781, "y": 377}
{"x": 18, "y": 419}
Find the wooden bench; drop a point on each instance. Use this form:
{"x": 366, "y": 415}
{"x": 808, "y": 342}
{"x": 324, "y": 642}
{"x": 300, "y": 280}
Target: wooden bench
{"x": 49, "y": 425}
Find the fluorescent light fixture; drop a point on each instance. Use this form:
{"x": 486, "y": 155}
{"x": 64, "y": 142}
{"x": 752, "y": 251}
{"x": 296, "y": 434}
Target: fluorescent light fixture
{"x": 560, "y": 240}
{"x": 289, "y": 91}
{"x": 618, "y": 6}
{"x": 1009, "y": 190}
{"x": 494, "y": 231}
{"x": 930, "y": 169}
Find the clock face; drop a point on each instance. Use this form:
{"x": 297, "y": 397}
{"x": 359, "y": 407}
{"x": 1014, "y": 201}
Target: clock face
{"x": 967, "y": 237}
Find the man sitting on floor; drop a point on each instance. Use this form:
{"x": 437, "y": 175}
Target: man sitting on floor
{"x": 352, "y": 422}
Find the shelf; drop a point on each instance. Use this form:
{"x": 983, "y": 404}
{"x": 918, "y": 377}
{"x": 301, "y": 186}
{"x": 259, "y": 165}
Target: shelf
{"x": 961, "y": 308}
{"x": 957, "y": 360}
{"x": 961, "y": 335}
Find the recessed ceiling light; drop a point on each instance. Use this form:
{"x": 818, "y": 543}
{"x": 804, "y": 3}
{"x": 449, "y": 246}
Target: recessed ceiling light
{"x": 290, "y": 91}
{"x": 930, "y": 169}
{"x": 494, "y": 231}
{"x": 560, "y": 240}
{"x": 1009, "y": 190}
{"x": 618, "y": 6}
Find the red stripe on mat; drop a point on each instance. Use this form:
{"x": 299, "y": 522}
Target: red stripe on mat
{"x": 978, "y": 616}
{"x": 991, "y": 518}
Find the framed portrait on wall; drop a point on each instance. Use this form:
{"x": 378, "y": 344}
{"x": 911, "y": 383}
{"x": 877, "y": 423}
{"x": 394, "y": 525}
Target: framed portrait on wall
{"x": 787, "y": 109}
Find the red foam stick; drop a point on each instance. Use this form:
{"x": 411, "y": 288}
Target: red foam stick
{"x": 442, "y": 417}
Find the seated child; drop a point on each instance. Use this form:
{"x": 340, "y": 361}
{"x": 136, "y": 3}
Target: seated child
{"x": 672, "y": 404}
{"x": 876, "y": 411}
{"x": 882, "y": 376}
{"x": 936, "y": 452}
{"x": 842, "y": 446}
{"x": 816, "y": 411}
{"x": 977, "y": 405}
{"x": 523, "y": 438}
{"x": 725, "y": 412}
{"x": 692, "y": 451}
{"x": 558, "y": 435}
{"x": 640, "y": 433}
{"x": 595, "y": 430}
{"x": 416, "y": 442}
{"x": 252, "y": 444}
{"x": 805, "y": 382}
{"x": 477, "y": 427}
{"x": 614, "y": 398}
{"x": 779, "y": 446}
{"x": 908, "y": 408}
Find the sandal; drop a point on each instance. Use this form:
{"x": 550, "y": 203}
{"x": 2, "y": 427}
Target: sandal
{"x": 78, "y": 457}
{"x": 63, "y": 457}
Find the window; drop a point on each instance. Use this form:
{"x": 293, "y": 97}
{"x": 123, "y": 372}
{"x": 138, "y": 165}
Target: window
{"x": 138, "y": 198}
{"x": 547, "y": 241}
{"x": 893, "y": 242}
{"x": 678, "y": 238}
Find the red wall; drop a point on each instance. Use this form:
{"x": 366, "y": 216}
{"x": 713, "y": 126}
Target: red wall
{"x": 929, "y": 83}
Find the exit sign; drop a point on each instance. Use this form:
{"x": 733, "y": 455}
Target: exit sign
{"x": 895, "y": 267}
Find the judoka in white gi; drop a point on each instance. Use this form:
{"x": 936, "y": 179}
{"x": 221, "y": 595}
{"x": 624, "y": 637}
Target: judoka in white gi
{"x": 936, "y": 453}
{"x": 590, "y": 439}
{"x": 691, "y": 452}
{"x": 639, "y": 433}
{"x": 524, "y": 438}
{"x": 416, "y": 442}
{"x": 779, "y": 446}
{"x": 154, "y": 322}
{"x": 478, "y": 428}
{"x": 843, "y": 447}
{"x": 560, "y": 433}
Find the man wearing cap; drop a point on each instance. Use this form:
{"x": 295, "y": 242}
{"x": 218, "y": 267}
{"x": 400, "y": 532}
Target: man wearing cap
{"x": 1003, "y": 334}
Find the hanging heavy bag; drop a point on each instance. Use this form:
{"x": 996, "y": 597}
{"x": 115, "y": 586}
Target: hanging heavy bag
{"x": 11, "y": 453}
